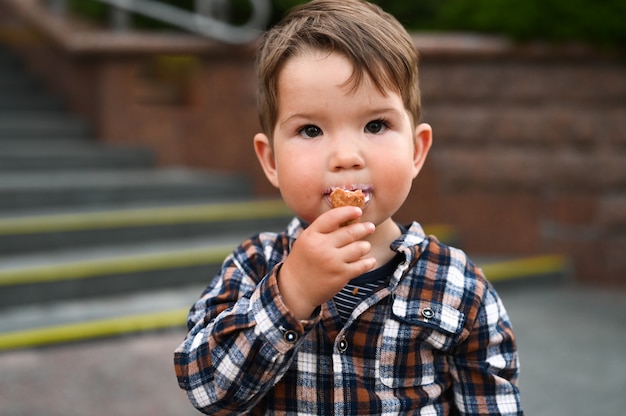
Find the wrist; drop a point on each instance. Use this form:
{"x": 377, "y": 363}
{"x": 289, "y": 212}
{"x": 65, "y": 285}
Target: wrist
{"x": 293, "y": 297}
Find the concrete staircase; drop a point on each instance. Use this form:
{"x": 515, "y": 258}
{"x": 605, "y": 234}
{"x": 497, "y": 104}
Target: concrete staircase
{"x": 95, "y": 240}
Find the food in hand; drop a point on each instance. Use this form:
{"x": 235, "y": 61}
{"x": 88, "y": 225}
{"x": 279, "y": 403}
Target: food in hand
{"x": 341, "y": 198}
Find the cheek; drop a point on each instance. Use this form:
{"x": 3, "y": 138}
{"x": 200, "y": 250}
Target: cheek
{"x": 393, "y": 177}
{"x": 293, "y": 168}
{"x": 299, "y": 181}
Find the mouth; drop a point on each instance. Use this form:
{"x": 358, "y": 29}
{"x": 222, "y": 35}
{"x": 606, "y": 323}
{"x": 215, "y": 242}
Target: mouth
{"x": 367, "y": 190}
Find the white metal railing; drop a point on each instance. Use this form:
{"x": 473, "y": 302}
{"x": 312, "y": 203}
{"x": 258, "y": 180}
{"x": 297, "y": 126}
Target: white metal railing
{"x": 208, "y": 19}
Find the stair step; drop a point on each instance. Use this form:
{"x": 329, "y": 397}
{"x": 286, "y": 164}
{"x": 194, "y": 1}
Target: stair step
{"x": 57, "y": 144}
{"x": 91, "y": 273}
{"x": 13, "y": 82}
{"x": 41, "y": 124}
{"x": 149, "y": 310}
{"x": 125, "y": 187}
{"x": 47, "y": 155}
{"x": 92, "y": 319}
{"x": 8, "y": 59}
{"x": 19, "y": 101}
{"x": 75, "y": 229}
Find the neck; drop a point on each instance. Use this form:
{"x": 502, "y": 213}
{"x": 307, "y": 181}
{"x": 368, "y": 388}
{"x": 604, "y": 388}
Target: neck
{"x": 386, "y": 233}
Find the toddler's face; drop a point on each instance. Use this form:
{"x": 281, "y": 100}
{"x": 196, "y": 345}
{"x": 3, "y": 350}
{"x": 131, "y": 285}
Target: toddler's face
{"x": 329, "y": 135}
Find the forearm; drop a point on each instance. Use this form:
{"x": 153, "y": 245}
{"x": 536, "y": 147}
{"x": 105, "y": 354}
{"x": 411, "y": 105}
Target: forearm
{"x": 486, "y": 365}
{"x": 228, "y": 363}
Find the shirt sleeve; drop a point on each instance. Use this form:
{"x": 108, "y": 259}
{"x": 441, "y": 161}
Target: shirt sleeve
{"x": 485, "y": 367}
{"x": 242, "y": 337}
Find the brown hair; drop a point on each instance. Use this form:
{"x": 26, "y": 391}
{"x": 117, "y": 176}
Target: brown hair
{"x": 374, "y": 41}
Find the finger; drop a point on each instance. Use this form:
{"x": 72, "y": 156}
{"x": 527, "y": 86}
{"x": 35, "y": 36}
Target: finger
{"x": 353, "y": 232}
{"x": 362, "y": 266}
{"x": 355, "y": 251}
{"x": 334, "y": 218}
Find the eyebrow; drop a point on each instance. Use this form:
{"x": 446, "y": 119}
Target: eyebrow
{"x": 370, "y": 112}
{"x": 384, "y": 110}
{"x": 287, "y": 119}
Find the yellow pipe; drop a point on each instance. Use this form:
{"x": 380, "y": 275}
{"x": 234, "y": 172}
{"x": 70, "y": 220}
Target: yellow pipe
{"x": 143, "y": 217}
{"x": 92, "y": 329}
{"x": 524, "y": 267}
{"x": 114, "y": 266}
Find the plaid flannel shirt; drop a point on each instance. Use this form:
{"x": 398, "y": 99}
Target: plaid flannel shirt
{"x": 436, "y": 341}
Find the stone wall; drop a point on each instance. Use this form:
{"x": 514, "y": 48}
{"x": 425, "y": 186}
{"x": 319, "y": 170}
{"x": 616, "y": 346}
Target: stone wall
{"x": 530, "y": 142}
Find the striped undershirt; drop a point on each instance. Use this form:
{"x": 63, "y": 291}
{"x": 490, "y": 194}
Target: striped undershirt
{"x": 363, "y": 286}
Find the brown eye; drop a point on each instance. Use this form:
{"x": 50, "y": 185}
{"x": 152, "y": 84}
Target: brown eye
{"x": 310, "y": 131}
{"x": 375, "y": 127}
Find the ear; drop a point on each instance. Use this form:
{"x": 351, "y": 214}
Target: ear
{"x": 423, "y": 141}
{"x": 265, "y": 154}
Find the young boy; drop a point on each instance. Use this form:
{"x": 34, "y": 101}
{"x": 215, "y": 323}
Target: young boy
{"x": 370, "y": 318}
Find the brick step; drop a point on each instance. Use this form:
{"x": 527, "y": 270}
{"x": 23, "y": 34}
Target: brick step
{"x": 58, "y": 189}
{"x": 39, "y": 155}
{"x": 74, "y": 229}
{"x": 529, "y": 170}
{"x": 547, "y": 127}
{"x": 151, "y": 309}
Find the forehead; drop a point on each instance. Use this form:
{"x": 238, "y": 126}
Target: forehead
{"x": 317, "y": 78}
{"x": 318, "y": 87}
{"x": 333, "y": 67}
{"x": 312, "y": 64}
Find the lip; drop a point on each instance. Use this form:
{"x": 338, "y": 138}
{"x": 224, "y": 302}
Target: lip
{"x": 368, "y": 191}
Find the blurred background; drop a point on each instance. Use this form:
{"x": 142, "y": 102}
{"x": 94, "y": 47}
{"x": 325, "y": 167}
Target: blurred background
{"x": 127, "y": 175}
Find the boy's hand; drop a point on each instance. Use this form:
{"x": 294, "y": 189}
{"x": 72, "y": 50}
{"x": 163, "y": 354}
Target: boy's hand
{"x": 325, "y": 257}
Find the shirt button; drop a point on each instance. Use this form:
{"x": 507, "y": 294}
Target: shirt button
{"x": 343, "y": 345}
{"x": 290, "y": 336}
{"x": 428, "y": 313}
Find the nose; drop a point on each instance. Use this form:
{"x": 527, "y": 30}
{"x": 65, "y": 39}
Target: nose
{"x": 346, "y": 154}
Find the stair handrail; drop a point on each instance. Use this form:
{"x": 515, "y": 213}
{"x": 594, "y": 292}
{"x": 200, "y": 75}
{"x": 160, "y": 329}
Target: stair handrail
{"x": 195, "y": 22}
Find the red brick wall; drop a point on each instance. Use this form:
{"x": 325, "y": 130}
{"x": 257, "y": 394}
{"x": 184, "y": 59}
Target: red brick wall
{"x": 529, "y": 154}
